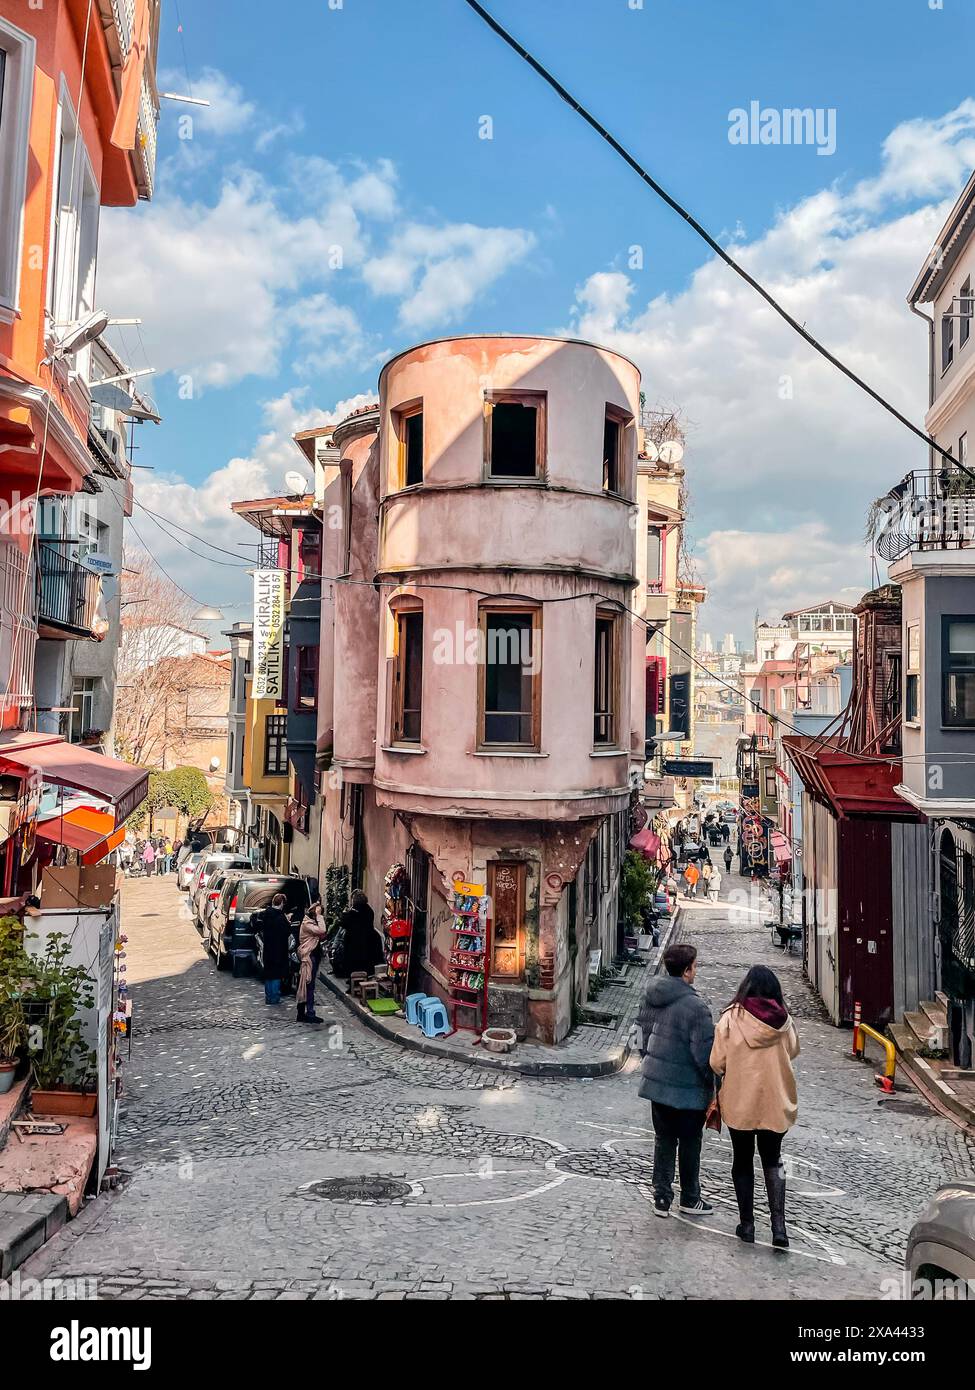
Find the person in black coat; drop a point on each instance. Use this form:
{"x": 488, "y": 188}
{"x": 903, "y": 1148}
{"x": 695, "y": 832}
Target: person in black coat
{"x": 358, "y": 946}
{"x": 275, "y": 928}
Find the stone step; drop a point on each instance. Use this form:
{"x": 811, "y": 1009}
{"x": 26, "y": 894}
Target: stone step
{"x": 27, "y": 1220}
{"x": 904, "y": 1039}
{"x": 12, "y": 1103}
{"x": 926, "y": 1033}
{"x": 939, "y": 1019}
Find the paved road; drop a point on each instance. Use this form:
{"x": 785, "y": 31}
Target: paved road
{"x": 503, "y": 1187}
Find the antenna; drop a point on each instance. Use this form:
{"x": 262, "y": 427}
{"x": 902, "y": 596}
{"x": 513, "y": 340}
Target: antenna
{"x": 671, "y": 451}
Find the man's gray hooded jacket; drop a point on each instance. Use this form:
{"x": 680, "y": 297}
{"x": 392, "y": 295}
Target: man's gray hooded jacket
{"x": 675, "y": 1033}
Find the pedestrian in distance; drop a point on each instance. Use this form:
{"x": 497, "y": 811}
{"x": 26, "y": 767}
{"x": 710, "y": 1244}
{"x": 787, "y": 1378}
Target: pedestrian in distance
{"x": 725, "y": 831}
{"x": 728, "y": 859}
{"x": 311, "y": 940}
{"x": 274, "y": 926}
{"x": 676, "y": 1032}
{"x": 692, "y": 876}
{"x": 148, "y": 857}
{"x": 714, "y": 883}
{"x": 755, "y": 1043}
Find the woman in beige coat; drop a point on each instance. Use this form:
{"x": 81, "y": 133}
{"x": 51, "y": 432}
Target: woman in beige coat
{"x": 755, "y": 1042}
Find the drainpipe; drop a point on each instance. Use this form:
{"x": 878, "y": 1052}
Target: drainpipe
{"x": 930, "y": 323}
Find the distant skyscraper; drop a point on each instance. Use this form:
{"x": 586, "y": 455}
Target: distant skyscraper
{"x": 706, "y": 643}
{"x": 729, "y": 646}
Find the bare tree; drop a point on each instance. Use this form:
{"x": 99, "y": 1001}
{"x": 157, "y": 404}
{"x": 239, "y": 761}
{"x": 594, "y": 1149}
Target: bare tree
{"x": 157, "y": 628}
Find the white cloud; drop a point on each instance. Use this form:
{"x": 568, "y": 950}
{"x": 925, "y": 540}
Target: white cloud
{"x": 204, "y": 508}
{"x": 439, "y": 271}
{"x": 781, "y": 446}
{"x": 229, "y": 112}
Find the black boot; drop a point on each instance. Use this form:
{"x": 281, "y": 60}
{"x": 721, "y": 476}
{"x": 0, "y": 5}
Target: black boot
{"x": 301, "y": 1014}
{"x": 775, "y": 1187}
{"x": 745, "y": 1192}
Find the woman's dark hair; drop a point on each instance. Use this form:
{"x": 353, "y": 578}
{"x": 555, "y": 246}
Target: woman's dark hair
{"x": 359, "y": 899}
{"x": 759, "y": 983}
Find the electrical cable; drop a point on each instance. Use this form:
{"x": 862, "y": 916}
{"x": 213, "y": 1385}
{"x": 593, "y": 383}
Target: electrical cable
{"x": 702, "y": 232}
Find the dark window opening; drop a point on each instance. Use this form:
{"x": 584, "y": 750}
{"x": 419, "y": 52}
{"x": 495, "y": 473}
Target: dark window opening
{"x": 514, "y": 440}
{"x": 310, "y": 553}
{"x": 947, "y": 341}
{"x": 509, "y": 682}
{"x": 958, "y": 668}
{"x": 965, "y": 310}
{"x": 654, "y": 556}
{"x": 413, "y": 448}
{"x": 612, "y": 439}
{"x": 306, "y": 678}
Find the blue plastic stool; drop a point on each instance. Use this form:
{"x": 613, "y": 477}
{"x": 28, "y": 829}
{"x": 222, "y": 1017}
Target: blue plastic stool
{"x": 413, "y": 1002}
{"x": 433, "y": 1018}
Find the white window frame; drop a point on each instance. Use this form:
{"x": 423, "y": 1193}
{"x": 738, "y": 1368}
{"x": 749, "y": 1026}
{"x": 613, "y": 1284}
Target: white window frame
{"x": 74, "y": 229}
{"x": 18, "y": 90}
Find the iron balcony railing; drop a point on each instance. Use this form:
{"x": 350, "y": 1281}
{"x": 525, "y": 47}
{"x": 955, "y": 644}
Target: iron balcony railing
{"x": 67, "y": 593}
{"x": 926, "y": 511}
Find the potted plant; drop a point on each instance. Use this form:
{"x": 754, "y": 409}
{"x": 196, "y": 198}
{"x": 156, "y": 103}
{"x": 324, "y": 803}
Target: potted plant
{"x": 15, "y": 968}
{"x": 62, "y": 1065}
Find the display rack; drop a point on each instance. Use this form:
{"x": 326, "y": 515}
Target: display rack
{"x": 469, "y": 955}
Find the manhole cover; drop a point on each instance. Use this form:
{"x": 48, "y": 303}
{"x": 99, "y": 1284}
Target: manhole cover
{"x": 366, "y": 1189}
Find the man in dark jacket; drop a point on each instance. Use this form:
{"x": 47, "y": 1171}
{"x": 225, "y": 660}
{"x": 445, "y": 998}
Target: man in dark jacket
{"x": 675, "y": 1033}
{"x": 275, "y": 927}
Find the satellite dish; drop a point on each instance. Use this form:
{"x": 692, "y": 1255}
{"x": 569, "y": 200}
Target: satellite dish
{"x": 296, "y": 483}
{"x": 671, "y": 451}
{"x": 650, "y": 451}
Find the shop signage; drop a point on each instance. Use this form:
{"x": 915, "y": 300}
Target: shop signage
{"x": 689, "y": 767}
{"x": 268, "y": 635}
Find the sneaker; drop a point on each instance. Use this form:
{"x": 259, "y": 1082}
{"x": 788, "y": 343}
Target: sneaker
{"x": 661, "y": 1207}
{"x": 700, "y": 1208}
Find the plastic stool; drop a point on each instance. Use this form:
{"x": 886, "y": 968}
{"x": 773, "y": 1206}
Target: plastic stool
{"x": 433, "y": 1018}
{"x": 413, "y": 1002}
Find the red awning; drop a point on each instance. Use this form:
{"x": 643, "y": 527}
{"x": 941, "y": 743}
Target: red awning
{"x": 67, "y": 765}
{"x": 92, "y": 833}
{"x": 780, "y": 848}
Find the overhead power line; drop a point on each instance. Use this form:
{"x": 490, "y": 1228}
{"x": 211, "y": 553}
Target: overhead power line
{"x": 704, "y": 234}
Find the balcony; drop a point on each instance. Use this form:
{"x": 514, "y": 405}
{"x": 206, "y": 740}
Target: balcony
{"x": 118, "y": 19}
{"x": 926, "y": 511}
{"x": 67, "y": 593}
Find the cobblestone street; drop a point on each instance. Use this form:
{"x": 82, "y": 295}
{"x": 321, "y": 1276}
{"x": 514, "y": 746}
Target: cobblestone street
{"x": 503, "y": 1187}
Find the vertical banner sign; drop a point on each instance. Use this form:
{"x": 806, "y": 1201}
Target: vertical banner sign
{"x": 268, "y": 634}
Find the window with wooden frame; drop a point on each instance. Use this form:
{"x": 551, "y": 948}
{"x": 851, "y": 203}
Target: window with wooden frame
{"x": 407, "y": 675}
{"x": 958, "y": 670}
{"x": 506, "y": 885}
{"x": 275, "y": 745}
{"x": 408, "y": 421}
{"x": 514, "y": 434}
{"x": 912, "y": 677}
{"x": 509, "y": 693}
{"x": 310, "y": 552}
{"x": 606, "y": 679}
{"x": 614, "y": 449}
{"x": 306, "y": 679}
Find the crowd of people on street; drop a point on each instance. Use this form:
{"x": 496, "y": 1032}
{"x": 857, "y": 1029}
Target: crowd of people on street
{"x": 155, "y": 854}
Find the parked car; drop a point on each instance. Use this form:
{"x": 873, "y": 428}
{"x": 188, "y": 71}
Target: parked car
{"x": 230, "y": 938}
{"x": 209, "y": 865}
{"x": 208, "y": 901}
{"x": 940, "y": 1258}
{"x": 186, "y": 870}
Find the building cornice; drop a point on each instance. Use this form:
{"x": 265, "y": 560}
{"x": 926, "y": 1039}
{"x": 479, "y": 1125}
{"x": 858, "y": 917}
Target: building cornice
{"x": 937, "y": 807}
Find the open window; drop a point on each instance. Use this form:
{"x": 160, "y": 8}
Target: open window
{"x": 514, "y": 434}
{"x": 912, "y": 675}
{"x": 509, "y": 697}
{"x": 656, "y": 558}
{"x": 408, "y": 676}
{"x": 408, "y": 421}
{"x": 306, "y": 679}
{"x": 606, "y": 681}
{"x": 614, "y": 449}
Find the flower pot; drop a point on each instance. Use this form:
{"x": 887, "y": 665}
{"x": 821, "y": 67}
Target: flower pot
{"x": 499, "y": 1039}
{"x": 8, "y": 1071}
{"x": 64, "y": 1102}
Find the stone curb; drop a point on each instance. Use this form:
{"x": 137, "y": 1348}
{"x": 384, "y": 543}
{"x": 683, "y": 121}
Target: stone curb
{"x": 27, "y": 1220}
{"x": 604, "y": 1065}
{"x": 937, "y": 1093}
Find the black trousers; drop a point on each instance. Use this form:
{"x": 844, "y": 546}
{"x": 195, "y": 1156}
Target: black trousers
{"x": 677, "y": 1144}
{"x": 743, "y": 1147}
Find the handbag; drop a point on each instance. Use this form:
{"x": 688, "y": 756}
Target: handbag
{"x": 712, "y": 1119}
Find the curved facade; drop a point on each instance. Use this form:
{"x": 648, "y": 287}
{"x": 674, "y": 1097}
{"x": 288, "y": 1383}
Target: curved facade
{"x": 506, "y": 521}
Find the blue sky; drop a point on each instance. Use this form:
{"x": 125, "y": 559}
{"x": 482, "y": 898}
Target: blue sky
{"x": 358, "y": 127}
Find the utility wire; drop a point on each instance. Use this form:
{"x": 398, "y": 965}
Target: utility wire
{"x": 703, "y": 233}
